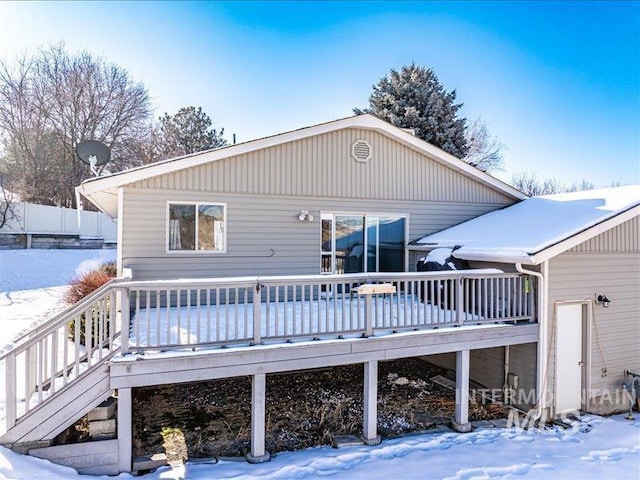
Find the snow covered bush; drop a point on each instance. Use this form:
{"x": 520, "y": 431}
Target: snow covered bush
{"x": 85, "y": 284}
{"x": 79, "y": 288}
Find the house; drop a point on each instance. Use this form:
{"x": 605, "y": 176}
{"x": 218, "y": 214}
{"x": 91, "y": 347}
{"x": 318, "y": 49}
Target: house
{"x": 585, "y": 248}
{"x": 342, "y": 174}
{"x": 280, "y": 254}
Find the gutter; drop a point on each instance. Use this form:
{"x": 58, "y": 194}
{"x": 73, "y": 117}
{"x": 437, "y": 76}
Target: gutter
{"x": 541, "y": 384}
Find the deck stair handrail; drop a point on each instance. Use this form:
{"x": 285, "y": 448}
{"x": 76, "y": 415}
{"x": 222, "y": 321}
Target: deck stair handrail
{"x": 70, "y": 311}
{"x": 58, "y": 352}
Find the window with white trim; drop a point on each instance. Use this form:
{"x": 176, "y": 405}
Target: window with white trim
{"x": 196, "y": 227}
{"x": 355, "y": 243}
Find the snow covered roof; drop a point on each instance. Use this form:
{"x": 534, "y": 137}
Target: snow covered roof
{"x": 103, "y": 191}
{"x": 539, "y": 228}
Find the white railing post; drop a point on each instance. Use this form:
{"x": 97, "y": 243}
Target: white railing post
{"x": 257, "y": 311}
{"x": 368, "y": 290}
{"x": 124, "y": 320}
{"x": 459, "y": 301}
{"x": 368, "y": 315}
{"x": 30, "y": 370}
{"x": 10, "y": 377}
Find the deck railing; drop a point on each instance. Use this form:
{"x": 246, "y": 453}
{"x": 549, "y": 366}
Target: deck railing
{"x": 228, "y": 311}
{"x": 162, "y": 315}
{"x": 58, "y": 352}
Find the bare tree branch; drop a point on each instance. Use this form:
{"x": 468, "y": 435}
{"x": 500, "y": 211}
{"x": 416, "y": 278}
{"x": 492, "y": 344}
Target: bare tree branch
{"x": 53, "y": 100}
{"x": 484, "y": 150}
{"x": 530, "y": 184}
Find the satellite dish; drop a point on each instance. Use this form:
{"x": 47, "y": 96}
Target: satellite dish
{"x": 93, "y": 153}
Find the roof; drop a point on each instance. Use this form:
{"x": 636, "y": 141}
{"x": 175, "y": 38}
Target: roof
{"x": 103, "y": 191}
{"x": 539, "y": 228}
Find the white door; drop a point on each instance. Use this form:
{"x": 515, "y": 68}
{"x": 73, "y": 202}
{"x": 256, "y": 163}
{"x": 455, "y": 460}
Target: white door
{"x": 569, "y": 359}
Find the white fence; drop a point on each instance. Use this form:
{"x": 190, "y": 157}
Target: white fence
{"x": 43, "y": 219}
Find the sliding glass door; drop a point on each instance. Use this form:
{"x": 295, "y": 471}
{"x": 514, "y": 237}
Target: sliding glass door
{"x": 363, "y": 243}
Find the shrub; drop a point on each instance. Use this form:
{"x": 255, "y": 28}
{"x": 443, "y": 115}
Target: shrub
{"x": 110, "y": 268}
{"x": 84, "y": 285}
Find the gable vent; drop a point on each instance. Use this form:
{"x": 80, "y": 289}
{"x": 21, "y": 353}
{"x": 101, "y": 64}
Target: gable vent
{"x": 361, "y": 151}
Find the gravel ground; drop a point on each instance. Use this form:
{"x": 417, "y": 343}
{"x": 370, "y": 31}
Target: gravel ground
{"x": 304, "y": 409}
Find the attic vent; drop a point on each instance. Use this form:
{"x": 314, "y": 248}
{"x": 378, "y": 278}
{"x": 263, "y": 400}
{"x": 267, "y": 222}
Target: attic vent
{"x": 361, "y": 151}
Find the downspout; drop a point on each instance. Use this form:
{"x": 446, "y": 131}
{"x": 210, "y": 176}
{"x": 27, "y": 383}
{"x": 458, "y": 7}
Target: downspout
{"x": 541, "y": 386}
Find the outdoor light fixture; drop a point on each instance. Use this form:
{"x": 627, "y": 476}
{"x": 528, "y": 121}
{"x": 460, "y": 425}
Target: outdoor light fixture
{"x": 602, "y": 298}
{"x": 305, "y": 215}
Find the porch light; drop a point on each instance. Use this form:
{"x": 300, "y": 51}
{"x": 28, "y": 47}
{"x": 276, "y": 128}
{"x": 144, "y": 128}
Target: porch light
{"x": 602, "y": 299}
{"x": 305, "y": 215}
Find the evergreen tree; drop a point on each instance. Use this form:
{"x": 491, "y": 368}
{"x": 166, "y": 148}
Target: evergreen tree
{"x": 414, "y": 98}
{"x": 188, "y": 131}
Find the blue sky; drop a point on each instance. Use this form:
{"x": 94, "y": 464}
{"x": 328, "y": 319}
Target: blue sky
{"x": 557, "y": 82}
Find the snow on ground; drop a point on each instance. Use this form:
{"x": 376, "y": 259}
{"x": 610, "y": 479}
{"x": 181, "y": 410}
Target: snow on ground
{"x": 22, "y": 271}
{"x": 32, "y": 284}
{"x": 598, "y": 448}
{"x": 28, "y": 269}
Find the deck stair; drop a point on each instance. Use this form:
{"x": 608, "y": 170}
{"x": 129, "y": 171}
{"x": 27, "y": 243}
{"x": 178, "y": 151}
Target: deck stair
{"x": 59, "y": 371}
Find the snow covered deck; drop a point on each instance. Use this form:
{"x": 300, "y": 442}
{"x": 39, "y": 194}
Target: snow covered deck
{"x": 223, "y": 312}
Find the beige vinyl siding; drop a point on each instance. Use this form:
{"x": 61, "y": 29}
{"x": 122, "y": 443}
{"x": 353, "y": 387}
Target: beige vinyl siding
{"x": 623, "y": 238}
{"x": 264, "y": 235}
{"x": 523, "y": 362}
{"x": 487, "y": 366}
{"x": 322, "y": 166}
{"x": 614, "y": 331}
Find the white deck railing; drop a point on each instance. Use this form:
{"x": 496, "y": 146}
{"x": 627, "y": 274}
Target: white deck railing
{"x": 226, "y": 311}
{"x": 162, "y": 315}
{"x": 58, "y": 352}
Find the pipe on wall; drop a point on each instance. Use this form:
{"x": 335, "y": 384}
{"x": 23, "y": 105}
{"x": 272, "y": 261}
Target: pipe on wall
{"x": 542, "y": 335}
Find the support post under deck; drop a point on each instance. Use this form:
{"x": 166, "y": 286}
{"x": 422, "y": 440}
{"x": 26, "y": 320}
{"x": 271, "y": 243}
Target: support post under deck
{"x": 258, "y": 453}
{"x": 370, "y": 417}
{"x": 461, "y": 417}
{"x": 125, "y": 430}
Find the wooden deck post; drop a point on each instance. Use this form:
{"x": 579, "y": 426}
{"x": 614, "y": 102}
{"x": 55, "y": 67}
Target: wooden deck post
{"x": 370, "y": 418}
{"x": 257, "y": 311}
{"x": 368, "y": 315}
{"x": 11, "y": 393}
{"x": 460, "y": 317}
{"x": 125, "y": 430}
{"x": 125, "y": 320}
{"x": 258, "y": 454}
{"x": 461, "y": 417}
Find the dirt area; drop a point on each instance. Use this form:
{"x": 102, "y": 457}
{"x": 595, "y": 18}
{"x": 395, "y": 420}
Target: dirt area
{"x": 212, "y": 419}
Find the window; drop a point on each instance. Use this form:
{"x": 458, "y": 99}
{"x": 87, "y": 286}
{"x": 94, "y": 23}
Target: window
{"x": 347, "y": 238}
{"x": 196, "y": 227}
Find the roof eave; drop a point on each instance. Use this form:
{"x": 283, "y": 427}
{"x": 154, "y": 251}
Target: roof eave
{"x": 361, "y": 121}
{"x": 590, "y": 232}
{"x": 100, "y": 200}
{"x": 493, "y": 257}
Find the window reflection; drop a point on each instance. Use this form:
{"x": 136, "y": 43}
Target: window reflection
{"x": 383, "y": 239}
